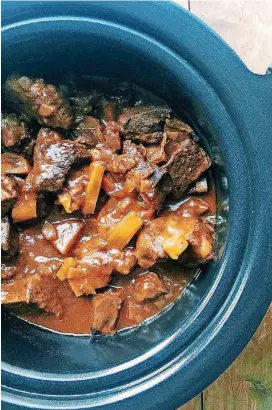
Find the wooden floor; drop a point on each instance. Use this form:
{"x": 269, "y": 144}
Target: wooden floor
{"x": 246, "y": 25}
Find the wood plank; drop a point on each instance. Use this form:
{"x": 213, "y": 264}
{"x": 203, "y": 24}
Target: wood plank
{"x": 247, "y": 384}
{"x": 194, "y": 404}
{"x": 245, "y": 25}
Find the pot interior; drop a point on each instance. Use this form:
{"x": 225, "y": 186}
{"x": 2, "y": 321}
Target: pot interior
{"x": 50, "y": 49}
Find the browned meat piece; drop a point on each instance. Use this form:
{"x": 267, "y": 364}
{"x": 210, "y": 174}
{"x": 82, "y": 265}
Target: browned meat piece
{"x": 202, "y": 241}
{"x": 119, "y": 164}
{"x": 155, "y": 154}
{"x": 177, "y": 130}
{"x": 148, "y": 286}
{"x": 149, "y": 244}
{"x": 9, "y": 239}
{"x": 8, "y": 271}
{"x": 106, "y": 308}
{"x": 53, "y": 158}
{"x": 13, "y": 131}
{"x": 14, "y": 164}
{"x": 144, "y": 123}
{"x": 64, "y": 235}
{"x": 187, "y": 162}
{"x": 42, "y": 291}
{"x": 9, "y": 193}
{"x": 199, "y": 187}
{"x": 112, "y": 138}
{"x": 39, "y": 100}
{"x": 88, "y": 132}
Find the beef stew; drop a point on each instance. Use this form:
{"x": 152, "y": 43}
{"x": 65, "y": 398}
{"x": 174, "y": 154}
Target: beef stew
{"x": 107, "y": 220}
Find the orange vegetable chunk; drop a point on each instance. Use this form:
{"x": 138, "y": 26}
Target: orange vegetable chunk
{"x": 93, "y": 188}
{"x": 67, "y": 263}
{"x": 25, "y": 208}
{"x": 121, "y": 233}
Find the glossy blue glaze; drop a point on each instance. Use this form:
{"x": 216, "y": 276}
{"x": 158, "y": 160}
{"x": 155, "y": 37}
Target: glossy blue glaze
{"x": 164, "y": 363}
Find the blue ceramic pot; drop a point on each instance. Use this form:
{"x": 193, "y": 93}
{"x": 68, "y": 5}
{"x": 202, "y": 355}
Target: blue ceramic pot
{"x": 164, "y": 363}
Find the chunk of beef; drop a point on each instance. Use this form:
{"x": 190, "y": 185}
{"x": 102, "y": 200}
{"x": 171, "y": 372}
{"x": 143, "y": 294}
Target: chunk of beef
{"x": 202, "y": 241}
{"x": 149, "y": 247}
{"x": 53, "y": 158}
{"x": 88, "y": 132}
{"x": 8, "y": 271}
{"x": 14, "y": 164}
{"x": 111, "y": 135}
{"x": 106, "y": 308}
{"x": 14, "y": 131}
{"x": 155, "y": 154}
{"x": 43, "y": 291}
{"x": 148, "y": 286}
{"x": 9, "y": 239}
{"x": 9, "y": 193}
{"x": 119, "y": 164}
{"x": 187, "y": 162}
{"x": 144, "y": 123}
{"x": 177, "y": 130}
{"x": 64, "y": 235}
{"x": 39, "y": 100}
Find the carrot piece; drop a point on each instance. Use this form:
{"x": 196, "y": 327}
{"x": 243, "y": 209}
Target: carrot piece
{"x": 65, "y": 200}
{"x": 67, "y": 263}
{"x": 25, "y": 208}
{"x": 205, "y": 248}
{"x": 76, "y": 286}
{"x": 174, "y": 246}
{"x": 81, "y": 286}
{"x": 93, "y": 188}
{"x": 75, "y": 273}
{"x": 123, "y": 232}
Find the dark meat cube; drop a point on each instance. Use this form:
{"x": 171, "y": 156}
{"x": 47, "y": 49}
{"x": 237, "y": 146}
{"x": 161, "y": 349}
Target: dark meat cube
{"x": 53, "y": 158}
{"x": 9, "y": 239}
{"x": 36, "y": 99}
{"x": 88, "y": 132}
{"x": 64, "y": 235}
{"x": 43, "y": 291}
{"x": 14, "y": 164}
{"x": 106, "y": 308}
{"x": 155, "y": 154}
{"x": 9, "y": 193}
{"x": 13, "y": 131}
{"x": 8, "y": 271}
{"x": 148, "y": 286}
{"x": 187, "y": 162}
{"x": 202, "y": 241}
{"x": 144, "y": 123}
{"x": 112, "y": 137}
{"x": 177, "y": 130}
